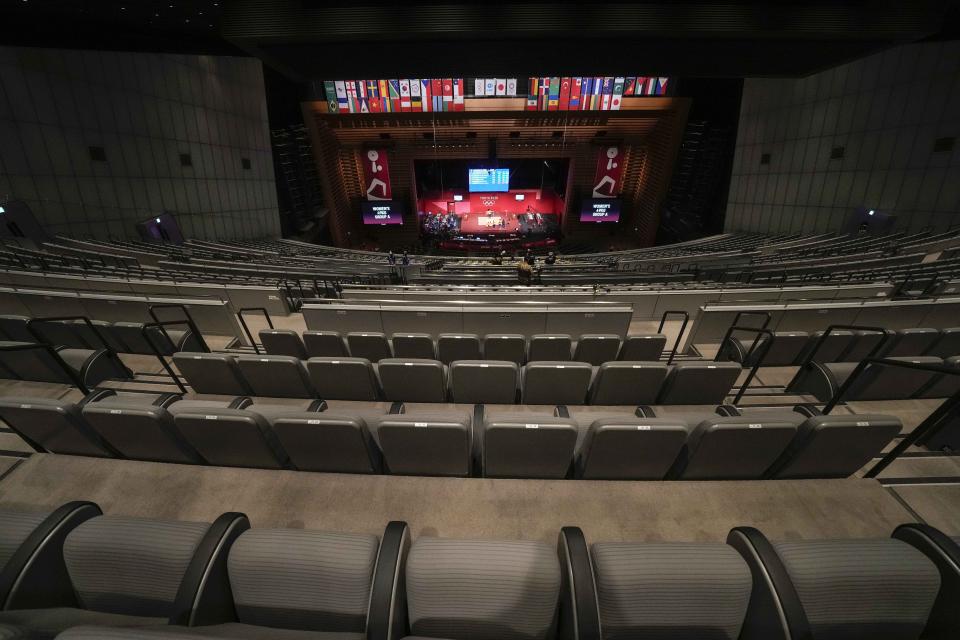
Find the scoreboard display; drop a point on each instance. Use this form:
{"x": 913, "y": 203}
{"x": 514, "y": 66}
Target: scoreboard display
{"x": 481, "y": 180}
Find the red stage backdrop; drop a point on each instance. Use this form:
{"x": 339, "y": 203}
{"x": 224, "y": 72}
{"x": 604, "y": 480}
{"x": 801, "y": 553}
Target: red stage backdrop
{"x": 606, "y": 183}
{"x": 376, "y": 174}
{"x": 480, "y": 203}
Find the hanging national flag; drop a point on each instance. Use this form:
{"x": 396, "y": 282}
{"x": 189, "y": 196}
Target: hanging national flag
{"x": 361, "y": 88}
{"x": 394, "y": 88}
{"x": 576, "y": 86}
{"x": 629, "y": 86}
{"x": 607, "y": 93}
{"x": 585, "y": 93}
{"x": 405, "y": 95}
{"x": 617, "y": 94}
{"x": 448, "y": 94}
{"x": 478, "y": 84}
{"x": 511, "y": 86}
{"x": 595, "y": 99}
{"x": 662, "y": 86}
{"x": 533, "y": 86}
{"x": 351, "y": 96}
{"x": 651, "y": 86}
{"x": 564, "y": 100}
{"x": 427, "y": 94}
{"x": 364, "y": 105}
{"x": 330, "y": 93}
{"x": 544, "y": 94}
{"x": 436, "y": 86}
{"x": 500, "y": 86}
{"x": 553, "y": 101}
{"x": 415, "y": 104}
{"x": 489, "y": 87}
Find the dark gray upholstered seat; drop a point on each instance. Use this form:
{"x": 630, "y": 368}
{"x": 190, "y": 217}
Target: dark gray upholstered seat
{"x": 623, "y": 383}
{"x": 426, "y": 444}
{"x": 458, "y": 346}
{"x": 54, "y": 425}
{"x": 943, "y": 385}
{"x": 549, "y": 347}
{"x": 947, "y": 344}
{"x": 699, "y": 382}
{"x": 484, "y": 381}
{"x": 60, "y": 333}
{"x": 343, "y": 378}
{"x": 527, "y": 446}
{"x": 737, "y": 448}
{"x": 880, "y": 589}
{"x": 864, "y": 343}
{"x": 38, "y": 365}
{"x": 14, "y": 328}
{"x": 412, "y": 380}
{"x": 229, "y": 630}
{"x": 642, "y": 347}
{"x": 132, "y": 335}
{"x": 556, "y": 382}
{"x": 230, "y": 437}
{"x": 785, "y": 348}
{"x": 372, "y": 346}
{"x": 283, "y": 342}
{"x": 671, "y": 590}
{"x": 482, "y": 589}
{"x": 877, "y": 382}
{"x": 630, "y": 448}
{"x": 835, "y": 446}
{"x": 505, "y": 346}
{"x": 103, "y": 332}
{"x": 140, "y": 430}
{"x": 833, "y": 346}
{"x": 414, "y": 345}
{"x": 276, "y": 376}
{"x": 324, "y": 344}
{"x": 212, "y": 373}
{"x": 597, "y": 348}
{"x": 911, "y": 342}
{"x": 329, "y": 441}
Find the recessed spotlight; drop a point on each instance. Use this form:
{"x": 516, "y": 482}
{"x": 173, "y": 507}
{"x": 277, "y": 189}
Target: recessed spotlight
{"x": 871, "y": 212}
{"x": 187, "y": 20}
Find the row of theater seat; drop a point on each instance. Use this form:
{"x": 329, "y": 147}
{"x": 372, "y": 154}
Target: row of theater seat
{"x": 878, "y": 381}
{"x": 555, "y": 442}
{"x": 447, "y": 347}
{"x": 77, "y": 574}
{"x": 122, "y": 337}
{"x": 463, "y": 381}
{"x": 795, "y": 347}
{"x": 34, "y": 363}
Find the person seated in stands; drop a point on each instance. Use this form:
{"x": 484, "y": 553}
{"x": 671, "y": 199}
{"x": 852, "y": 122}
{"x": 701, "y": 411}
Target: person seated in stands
{"x": 406, "y": 259}
{"x": 524, "y": 271}
{"x": 497, "y": 260}
{"x": 550, "y": 259}
{"x": 392, "y": 258}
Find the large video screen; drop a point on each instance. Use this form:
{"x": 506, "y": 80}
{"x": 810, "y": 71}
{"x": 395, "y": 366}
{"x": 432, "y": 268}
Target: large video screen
{"x": 481, "y": 180}
{"x": 382, "y": 212}
{"x": 600, "y": 210}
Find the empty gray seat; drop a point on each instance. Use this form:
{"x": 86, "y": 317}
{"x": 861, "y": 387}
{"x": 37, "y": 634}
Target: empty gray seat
{"x": 630, "y": 448}
{"x": 911, "y": 342}
{"x": 947, "y": 345}
{"x": 458, "y": 346}
{"x": 671, "y": 590}
{"x": 328, "y": 441}
{"x": 426, "y": 444}
{"x": 283, "y": 342}
{"x": 230, "y": 437}
{"x": 597, "y": 348}
{"x": 91, "y": 367}
{"x": 556, "y": 382}
{"x": 14, "y": 328}
{"x": 60, "y": 333}
{"x": 943, "y": 385}
{"x": 642, "y": 347}
{"x": 484, "y": 381}
{"x": 372, "y": 346}
{"x": 276, "y": 376}
{"x": 412, "y": 380}
{"x": 482, "y": 589}
{"x": 167, "y": 342}
{"x": 863, "y": 344}
{"x": 212, "y": 373}
{"x": 53, "y": 425}
{"x": 414, "y": 345}
{"x": 140, "y": 430}
{"x": 505, "y": 346}
{"x": 832, "y": 348}
{"x": 527, "y": 446}
{"x": 101, "y": 334}
{"x": 835, "y": 446}
{"x": 699, "y": 382}
{"x": 549, "y": 348}
{"x": 784, "y": 350}
{"x": 625, "y": 383}
{"x": 739, "y": 448}
{"x": 324, "y": 344}
{"x": 343, "y": 378}
{"x": 882, "y": 382}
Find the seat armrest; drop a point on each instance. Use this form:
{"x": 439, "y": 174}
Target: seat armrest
{"x": 579, "y": 610}
{"x": 387, "y": 612}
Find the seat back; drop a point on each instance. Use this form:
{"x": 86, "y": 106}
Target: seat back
{"x": 55, "y": 425}
{"x": 102, "y": 330}
{"x": 643, "y": 347}
{"x": 213, "y": 373}
{"x": 630, "y": 448}
{"x": 60, "y": 333}
{"x": 947, "y": 345}
{"x": 15, "y": 528}
{"x": 832, "y": 348}
{"x": 597, "y": 348}
{"x": 911, "y": 342}
{"x": 107, "y": 559}
{"x": 426, "y": 444}
{"x": 231, "y": 437}
{"x": 343, "y": 378}
{"x": 414, "y": 345}
{"x": 36, "y": 365}
{"x": 302, "y": 579}
{"x": 622, "y": 382}
{"x": 413, "y": 380}
{"x": 327, "y": 442}
{"x": 835, "y": 446}
{"x": 283, "y": 342}
{"x": 785, "y": 349}
{"x": 372, "y": 346}
{"x": 699, "y": 382}
{"x": 943, "y": 385}
{"x": 526, "y": 446}
{"x": 549, "y": 347}
{"x": 458, "y": 346}
{"x": 876, "y": 588}
{"x": 881, "y": 382}
{"x": 863, "y": 344}
{"x": 324, "y": 344}
{"x": 671, "y": 590}
{"x": 484, "y": 381}
{"x": 740, "y": 448}
{"x": 505, "y": 346}
{"x": 556, "y": 382}
{"x": 14, "y": 329}
{"x": 276, "y": 376}
{"x": 131, "y": 334}
{"x": 139, "y": 431}
{"x": 482, "y": 589}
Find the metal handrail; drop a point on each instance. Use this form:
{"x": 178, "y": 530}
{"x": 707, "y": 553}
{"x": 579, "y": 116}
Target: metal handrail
{"x": 765, "y": 349}
{"x": 849, "y": 327}
{"x": 683, "y": 327}
{"x": 188, "y": 321}
{"x": 156, "y": 350}
{"x": 246, "y": 329}
{"x": 74, "y": 376}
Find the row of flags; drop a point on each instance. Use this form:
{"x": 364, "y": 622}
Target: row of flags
{"x": 447, "y": 94}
